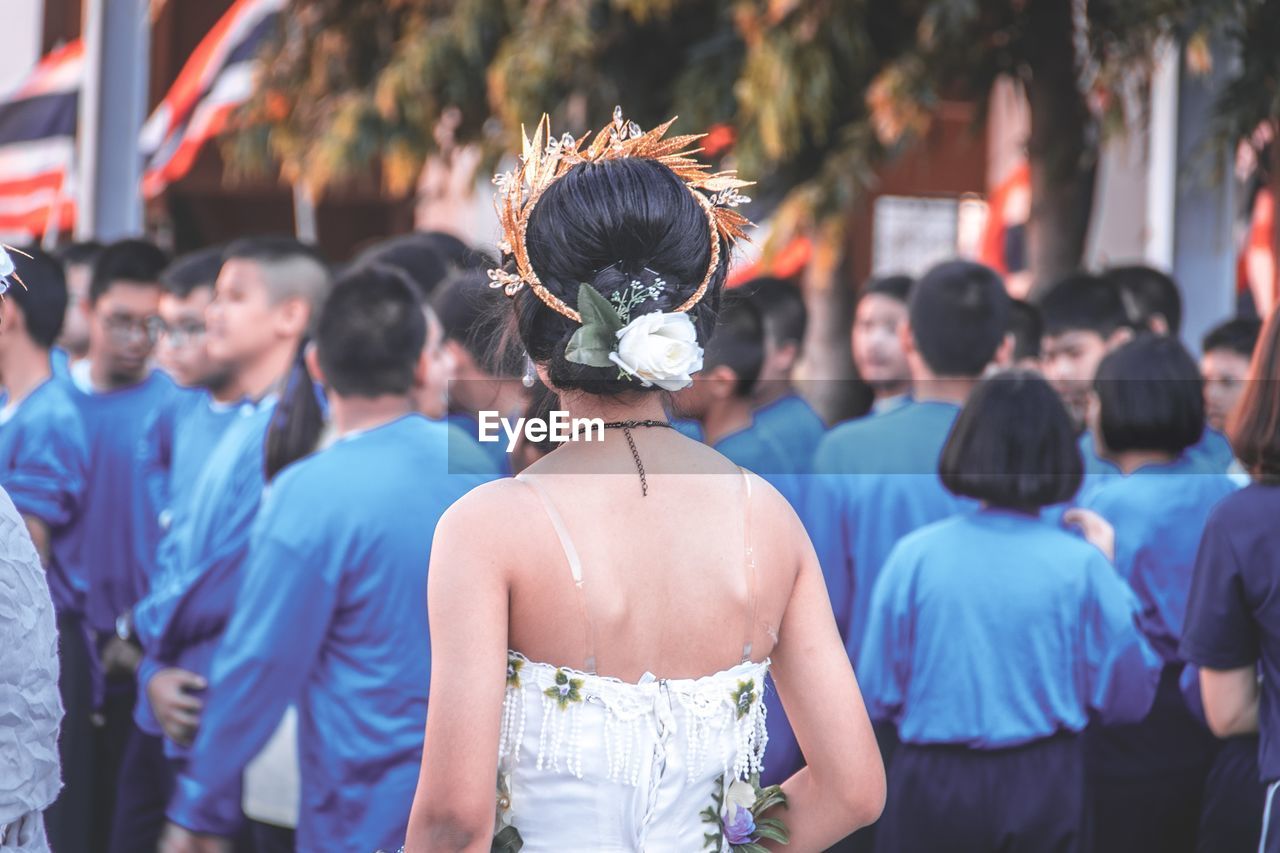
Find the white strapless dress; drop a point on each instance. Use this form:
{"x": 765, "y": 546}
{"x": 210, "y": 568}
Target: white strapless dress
{"x": 590, "y": 763}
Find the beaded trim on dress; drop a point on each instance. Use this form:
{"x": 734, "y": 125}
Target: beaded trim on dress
{"x": 729, "y": 699}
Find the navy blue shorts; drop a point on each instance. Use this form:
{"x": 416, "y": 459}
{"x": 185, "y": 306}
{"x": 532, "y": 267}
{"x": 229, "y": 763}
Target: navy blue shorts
{"x": 955, "y": 799}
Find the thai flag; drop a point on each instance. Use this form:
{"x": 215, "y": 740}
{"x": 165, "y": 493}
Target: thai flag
{"x": 38, "y": 145}
{"x": 216, "y": 79}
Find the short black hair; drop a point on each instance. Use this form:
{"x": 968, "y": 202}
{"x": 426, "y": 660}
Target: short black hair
{"x": 1147, "y": 292}
{"x": 1013, "y": 445}
{"x": 371, "y": 332}
{"x": 475, "y": 315}
{"x": 737, "y": 342}
{"x": 454, "y": 250}
{"x": 782, "y": 305}
{"x": 192, "y": 271}
{"x": 81, "y": 253}
{"x": 1083, "y": 302}
{"x": 1238, "y": 335}
{"x": 43, "y": 300}
{"x": 1026, "y": 324}
{"x": 1150, "y": 395}
{"x": 418, "y": 255}
{"x": 896, "y": 287}
{"x": 132, "y": 260}
{"x": 271, "y": 247}
{"x": 959, "y": 314}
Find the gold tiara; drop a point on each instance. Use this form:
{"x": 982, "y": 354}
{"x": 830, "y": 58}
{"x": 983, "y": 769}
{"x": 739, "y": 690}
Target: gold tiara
{"x": 545, "y": 160}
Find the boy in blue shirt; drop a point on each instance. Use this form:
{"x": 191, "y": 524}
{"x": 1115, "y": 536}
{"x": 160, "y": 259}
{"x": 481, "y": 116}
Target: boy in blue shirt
{"x": 331, "y": 612}
{"x": 178, "y": 439}
{"x": 44, "y": 460}
{"x": 1084, "y": 319}
{"x": 264, "y": 296}
{"x": 875, "y": 479}
{"x": 77, "y": 262}
{"x": 779, "y": 407}
{"x": 1224, "y": 366}
{"x": 878, "y": 351}
{"x": 115, "y": 390}
{"x": 721, "y": 398}
{"x": 995, "y": 636}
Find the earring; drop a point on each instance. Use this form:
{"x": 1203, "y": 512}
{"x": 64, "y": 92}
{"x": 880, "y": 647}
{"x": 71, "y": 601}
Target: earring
{"x": 530, "y": 375}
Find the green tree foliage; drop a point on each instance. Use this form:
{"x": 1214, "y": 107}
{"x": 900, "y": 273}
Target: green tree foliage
{"x": 813, "y": 94}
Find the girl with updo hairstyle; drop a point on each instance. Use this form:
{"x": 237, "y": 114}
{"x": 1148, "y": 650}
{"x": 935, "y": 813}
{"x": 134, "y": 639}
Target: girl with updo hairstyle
{"x": 637, "y": 587}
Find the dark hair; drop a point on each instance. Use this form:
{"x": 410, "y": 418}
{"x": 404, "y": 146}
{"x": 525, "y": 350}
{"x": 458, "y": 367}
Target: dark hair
{"x": 782, "y": 306}
{"x": 1254, "y": 424}
{"x": 370, "y": 333}
{"x": 738, "y": 342}
{"x": 192, "y": 271}
{"x": 270, "y": 248}
{"x": 298, "y": 420}
{"x": 1027, "y": 327}
{"x": 897, "y": 287}
{"x": 475, "y": 315}
{"x": 1238, "y": 335}
{"x": 459, "y": 255}
{"x": 137, "y": 261}
{"x": 1013, "y": 445}
{"x": 1147, "y": 292}
{"x": 610, "y": 224}
{"x": 419, "y": 255}
{"x": 959, "y": 314}
{"x": 1150, "y": 395}
{"x": 78, "y": 254}
{"x": 1083, "y": 302}
{"x": 43, "y": 300}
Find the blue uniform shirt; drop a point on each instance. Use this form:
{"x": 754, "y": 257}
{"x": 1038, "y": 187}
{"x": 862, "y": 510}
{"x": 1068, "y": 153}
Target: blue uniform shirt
{"x": 114, "y": 517}
{"x": 495, "y": 451}
{"x": 179, "y": 441}
{"x": 1159, "y": 513}
{"x": 332, "y": 615}
{"x": 44, "y": 465}
{"x": 796, "y": 427}
{"x": 759, "y": 451}
{"x": 1233, "y": 614}
{"x": 181, "y": 621}
{"x": 874, "y": 481}
{"x": 993, "y": 629}
{"x": 1213, "y": 451}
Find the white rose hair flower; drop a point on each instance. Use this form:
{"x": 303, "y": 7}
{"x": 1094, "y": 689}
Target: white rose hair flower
{"x": 658, "y": 349}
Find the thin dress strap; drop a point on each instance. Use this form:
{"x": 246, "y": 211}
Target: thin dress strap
{"x": 750, "y": 563}
{"x": 575, "y": 568}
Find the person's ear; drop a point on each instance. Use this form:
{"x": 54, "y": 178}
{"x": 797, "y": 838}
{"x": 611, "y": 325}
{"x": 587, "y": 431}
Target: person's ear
{"x": 722, "y": 381}
{"x": 10, "y": 316}
{"x": 543, "y": 374}
{"x": 311, "y": 357}
{"x": 906, "y": 338}
{"x": 1004, "y": 353}
{"x": 1119, "y": 338}
{"x": 1159, "y": 324}
{"x": 422, "y": 369}
{"x": 292, "y": 316}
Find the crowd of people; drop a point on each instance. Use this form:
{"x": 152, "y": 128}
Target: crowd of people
{"x": 1049, "y": 544}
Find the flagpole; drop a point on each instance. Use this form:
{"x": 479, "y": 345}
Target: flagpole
{"x": 304, "y": 215}
{"x": 113, "y": 103}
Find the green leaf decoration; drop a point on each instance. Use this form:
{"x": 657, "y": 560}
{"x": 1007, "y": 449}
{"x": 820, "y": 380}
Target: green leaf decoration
{"x": 591, "y": 344}
{"x": 566, "y": 690}
{"x": 773, "y": 829}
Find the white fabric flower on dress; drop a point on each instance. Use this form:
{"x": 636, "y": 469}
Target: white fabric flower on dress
{"x": 660, "y": 349}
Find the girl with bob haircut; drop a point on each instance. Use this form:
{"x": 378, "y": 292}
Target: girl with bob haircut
{"x": 1147, "y": 414}
{"x": 996, "y": 635}
{"x": 1233, "y": 617}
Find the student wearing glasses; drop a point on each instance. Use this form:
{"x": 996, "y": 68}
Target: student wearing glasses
{"x": 115, "y": 389}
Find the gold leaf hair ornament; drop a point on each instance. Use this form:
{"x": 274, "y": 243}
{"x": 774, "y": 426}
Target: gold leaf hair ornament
{"x": 545, "y": 160}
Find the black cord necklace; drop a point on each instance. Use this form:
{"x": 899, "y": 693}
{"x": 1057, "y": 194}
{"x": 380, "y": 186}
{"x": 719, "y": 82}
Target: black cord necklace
{"x": 626, "y": 427}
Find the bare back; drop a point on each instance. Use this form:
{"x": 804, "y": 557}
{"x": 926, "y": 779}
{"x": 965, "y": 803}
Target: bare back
{"x": 685, "y": 581}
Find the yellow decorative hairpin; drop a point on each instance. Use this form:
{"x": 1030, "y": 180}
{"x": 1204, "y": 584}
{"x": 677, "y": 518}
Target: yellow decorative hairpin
{"x": 545, "y": 160}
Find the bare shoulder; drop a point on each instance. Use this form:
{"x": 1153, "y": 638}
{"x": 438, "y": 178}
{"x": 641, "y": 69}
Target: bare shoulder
{"x": 500, "y": 514}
